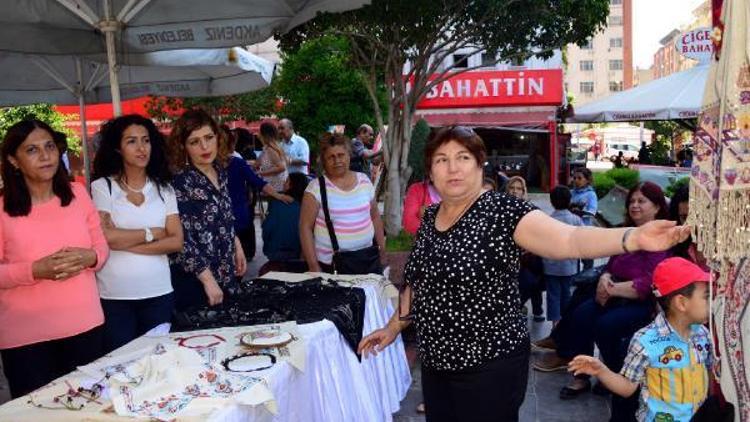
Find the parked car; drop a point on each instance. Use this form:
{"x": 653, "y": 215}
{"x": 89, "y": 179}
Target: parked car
{"x": 629, "y": 151}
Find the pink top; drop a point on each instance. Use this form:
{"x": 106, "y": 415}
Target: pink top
{"x": 418, "y": 195}
{"x": 33, "y": 311}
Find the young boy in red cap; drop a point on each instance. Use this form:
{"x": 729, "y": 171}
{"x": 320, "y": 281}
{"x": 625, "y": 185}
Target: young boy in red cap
{"x": 669, "y": 359}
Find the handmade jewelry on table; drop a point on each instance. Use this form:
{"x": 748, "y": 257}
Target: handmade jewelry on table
{"x": 73, "y": 398}
{"x": 248, "y": 362}
{"x": 266, "y": 338}
{"x": 183, "y": 341}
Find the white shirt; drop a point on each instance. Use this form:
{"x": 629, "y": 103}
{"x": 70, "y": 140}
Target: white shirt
{"x": 127, "y": 275}
{"x": 297, "y": 149}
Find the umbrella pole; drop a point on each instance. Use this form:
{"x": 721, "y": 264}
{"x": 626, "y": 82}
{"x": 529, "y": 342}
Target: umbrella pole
{"x": 109, "y": 26}
{"x": 82, "y": 118}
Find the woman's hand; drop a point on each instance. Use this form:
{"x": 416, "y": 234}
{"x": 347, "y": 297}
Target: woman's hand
{"x": 240, "y": 261}
{"x": 64, "y": 264}
{"x": 603, "y": 289}
{"x": 377, "y": 341}
{"x": 213, "y": 292}
{"x": 657, "y": 236}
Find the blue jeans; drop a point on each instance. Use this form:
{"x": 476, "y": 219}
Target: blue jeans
{"x": 529, "y": 286}
{"x": 558, "y": 295}
{"x": 124, "y": 320}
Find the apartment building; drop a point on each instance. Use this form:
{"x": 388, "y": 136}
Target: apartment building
{"x": 605, "y": 64}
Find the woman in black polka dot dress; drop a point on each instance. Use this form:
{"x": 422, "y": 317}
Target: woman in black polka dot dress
{"x": 462, "y": 283}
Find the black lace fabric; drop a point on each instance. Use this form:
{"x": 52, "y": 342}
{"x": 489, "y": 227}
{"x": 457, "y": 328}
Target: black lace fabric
{"x": 262, "y": 301}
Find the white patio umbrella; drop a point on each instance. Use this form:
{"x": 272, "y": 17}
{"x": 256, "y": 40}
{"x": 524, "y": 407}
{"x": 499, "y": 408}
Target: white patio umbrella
{"x": 67, "y": 80}
{"x": 113, "y": 27}
{"x": 674, "y": 97}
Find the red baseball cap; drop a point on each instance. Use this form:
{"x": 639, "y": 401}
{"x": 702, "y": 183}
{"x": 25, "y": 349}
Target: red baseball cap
{"x": 675, "y": 273}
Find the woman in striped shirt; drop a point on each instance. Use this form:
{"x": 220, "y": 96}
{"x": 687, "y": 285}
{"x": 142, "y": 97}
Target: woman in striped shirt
{"x": 352, "y": 205}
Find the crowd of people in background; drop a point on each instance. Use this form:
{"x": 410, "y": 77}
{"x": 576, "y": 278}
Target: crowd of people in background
{"x": 172, "y": 226}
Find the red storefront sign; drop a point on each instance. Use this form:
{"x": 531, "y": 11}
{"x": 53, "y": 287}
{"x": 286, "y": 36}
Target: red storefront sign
{"x": 497, "y": 88}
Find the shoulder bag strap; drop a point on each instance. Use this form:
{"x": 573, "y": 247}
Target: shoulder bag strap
{"x": 329, "y": 223}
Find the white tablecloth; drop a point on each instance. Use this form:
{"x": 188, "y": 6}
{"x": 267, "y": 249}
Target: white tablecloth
{"x": 335, "y": 386}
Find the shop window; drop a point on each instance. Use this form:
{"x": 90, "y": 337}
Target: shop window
{"x": 615, "y": 20}
{"x": 488, "y": 60}
{"x": 587, "y": 87}
{"x": 586, "y": 65}
{"x": 615, "y": 65}
{"x": 615, "y": 86}
{"x": 615, "y": 42}
{"x": 460, "y": 61}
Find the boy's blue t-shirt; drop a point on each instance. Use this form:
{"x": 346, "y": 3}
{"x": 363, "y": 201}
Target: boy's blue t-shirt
{"x": 672, "y": 372}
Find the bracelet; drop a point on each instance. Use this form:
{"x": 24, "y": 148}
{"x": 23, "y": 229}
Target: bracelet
{"x": 625, "y": 239}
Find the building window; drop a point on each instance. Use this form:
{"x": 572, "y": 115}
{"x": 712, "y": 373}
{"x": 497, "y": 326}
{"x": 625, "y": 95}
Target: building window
{"x": 587, "y": 87}
{"x": 615, "y": 20}
{"x": 586, "y": 65}
{"x": 615, "y": 65}
{"x": 615, "y": 86}
{"x": 588, "y": 46}
{"x": 615, "y": 42}
{"x": 461, "y": 61}
{"x": 615, "y": 2}
{"x": 488, "y": 60}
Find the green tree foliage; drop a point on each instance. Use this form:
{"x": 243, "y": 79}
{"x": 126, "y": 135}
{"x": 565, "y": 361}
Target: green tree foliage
{"x": 419, "y": 136}
{"x": 44, "y": 112}
{"x": 250, "y": 106}
{"x": 320, "y": 88}
{"x": 407, "y": 46}
{"x": 623, "y": 177}
{"x": 676, "y": 184}
{"x": 665, "y": 131}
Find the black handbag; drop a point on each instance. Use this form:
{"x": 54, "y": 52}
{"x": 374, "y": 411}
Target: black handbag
{"x": 361, "y": 261}
{"x": 589, "y": 276}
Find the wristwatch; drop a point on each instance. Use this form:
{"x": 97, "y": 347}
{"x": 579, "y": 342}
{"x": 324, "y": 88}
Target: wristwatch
{"x": 149, "y": 235}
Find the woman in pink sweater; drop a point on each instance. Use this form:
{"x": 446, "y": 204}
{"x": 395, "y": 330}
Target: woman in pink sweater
{"x": 50, "y": 246}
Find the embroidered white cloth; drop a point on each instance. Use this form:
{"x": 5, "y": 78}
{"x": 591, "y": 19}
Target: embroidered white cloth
{"x": 334, "y": 387}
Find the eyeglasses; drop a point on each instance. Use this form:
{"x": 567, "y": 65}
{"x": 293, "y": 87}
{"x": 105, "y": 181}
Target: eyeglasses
{"x": 463, "y": 131}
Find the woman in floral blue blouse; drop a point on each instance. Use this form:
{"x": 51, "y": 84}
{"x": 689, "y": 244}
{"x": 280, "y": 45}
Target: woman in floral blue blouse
{"x": 212, "y": 254}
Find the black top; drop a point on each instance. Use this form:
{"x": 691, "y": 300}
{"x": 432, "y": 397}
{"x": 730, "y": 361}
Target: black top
{"x": 466, "y": 303}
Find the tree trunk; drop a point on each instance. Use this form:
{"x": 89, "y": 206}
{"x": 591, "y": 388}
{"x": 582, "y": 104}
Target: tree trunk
{"x": 398, "y": 173}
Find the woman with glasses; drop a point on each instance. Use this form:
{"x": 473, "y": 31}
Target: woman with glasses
{"x": 462, "y": 289}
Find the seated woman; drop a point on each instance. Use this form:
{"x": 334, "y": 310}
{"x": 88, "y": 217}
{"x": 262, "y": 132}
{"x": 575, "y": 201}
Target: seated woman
{"x": 623, "y": 303}
{"x": 281, "y": 229}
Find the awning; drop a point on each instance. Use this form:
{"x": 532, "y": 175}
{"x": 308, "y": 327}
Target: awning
{"x": 495, "y": 117}
{"x": 674, "y": 97}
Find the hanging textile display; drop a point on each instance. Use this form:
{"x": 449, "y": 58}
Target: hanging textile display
{"x": 720, "y": 196}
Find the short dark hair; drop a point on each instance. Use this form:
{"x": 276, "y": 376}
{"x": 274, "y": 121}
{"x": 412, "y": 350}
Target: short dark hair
{"x": 666, "y": 301}
{"x": 461, "y": 134}
{"x": 16, "y": 196}
{"x": 108, "y": 160}
{"x": 585, "y": 172}
{"x": 560, "y": 197}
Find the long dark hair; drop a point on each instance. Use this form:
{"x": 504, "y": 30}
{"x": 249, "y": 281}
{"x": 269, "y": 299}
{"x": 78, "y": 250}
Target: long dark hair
{"x": 297, "y": 185}
{"x": 108, "y": 161}
{"x": 653, "y": 192}
{"x": 16, "y": 196}
{"x": 682, "y": 194}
